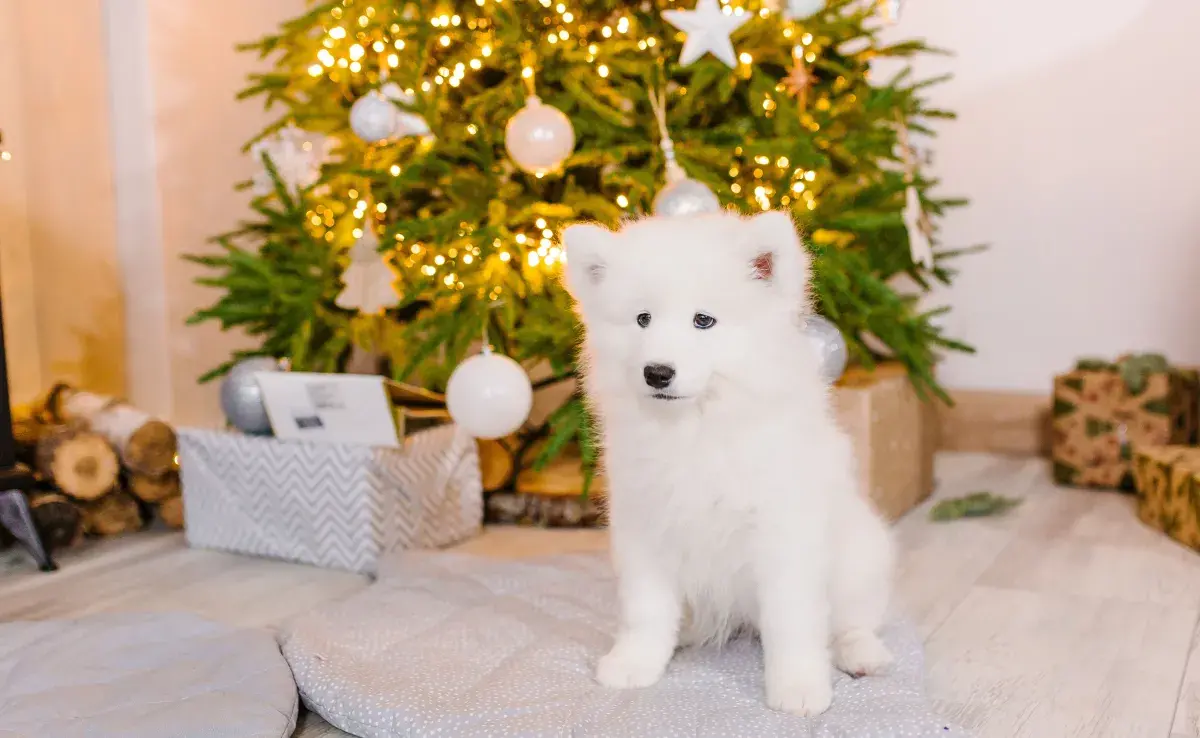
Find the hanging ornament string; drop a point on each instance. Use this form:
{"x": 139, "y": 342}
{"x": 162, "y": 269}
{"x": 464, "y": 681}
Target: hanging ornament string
{"x": 658, "y": 105}
{"x": 527, "y": 60}
{"x": 682, "y": 195}
{"x": 915, "y": 220}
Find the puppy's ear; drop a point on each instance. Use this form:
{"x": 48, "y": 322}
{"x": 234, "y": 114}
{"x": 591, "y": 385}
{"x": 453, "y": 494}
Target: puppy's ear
{"x": 778, "y": 258}
{"x": 587, "y": 250}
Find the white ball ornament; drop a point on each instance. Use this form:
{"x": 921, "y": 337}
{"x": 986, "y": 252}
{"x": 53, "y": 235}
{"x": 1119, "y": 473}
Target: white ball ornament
{"x": 539, "y": 138}
{"x": 489, "y": 395}
{"x": 374, "y": 118}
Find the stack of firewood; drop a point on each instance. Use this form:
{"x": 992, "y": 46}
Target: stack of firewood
{"x": 103, "y": 467}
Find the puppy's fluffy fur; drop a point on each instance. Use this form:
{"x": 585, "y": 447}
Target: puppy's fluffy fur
{"x": 733, "y": 499}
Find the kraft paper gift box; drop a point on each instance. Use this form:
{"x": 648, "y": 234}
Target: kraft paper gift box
{"x": 894, "y": 433}
{"x": 1103, "y": 412}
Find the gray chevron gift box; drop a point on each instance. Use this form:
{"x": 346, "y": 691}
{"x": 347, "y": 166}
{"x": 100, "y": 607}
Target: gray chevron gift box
{"x": 332, "y": 505}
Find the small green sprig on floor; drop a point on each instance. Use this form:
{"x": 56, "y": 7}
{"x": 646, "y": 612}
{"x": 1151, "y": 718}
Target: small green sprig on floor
{"x": 974, "y": 505}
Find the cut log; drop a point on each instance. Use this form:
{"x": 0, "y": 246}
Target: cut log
{"x": 78, "y": 462}
{"x": 153, "y": 489}
{"x": 495, "y": 464}
{"x": 171, "y": 511}
{"x": 147, "y": 446}
{"x": 27, "y": 432}
{"x": 552, "y": 497}
{"x": 58, "y": 520}
{"x": 111, "y": 515}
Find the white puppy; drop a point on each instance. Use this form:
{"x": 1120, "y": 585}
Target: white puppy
{"x": 733, "y": 499}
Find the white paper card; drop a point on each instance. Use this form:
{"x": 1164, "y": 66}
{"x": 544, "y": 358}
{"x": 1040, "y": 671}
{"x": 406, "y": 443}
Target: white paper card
{"x": 332, "y": 408}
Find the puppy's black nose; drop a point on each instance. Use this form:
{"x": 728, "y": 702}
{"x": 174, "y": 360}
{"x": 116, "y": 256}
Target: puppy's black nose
{"x": 658, "y": 376}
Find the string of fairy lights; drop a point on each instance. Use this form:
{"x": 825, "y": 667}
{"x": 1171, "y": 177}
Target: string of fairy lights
{"x": 360, "y": 41}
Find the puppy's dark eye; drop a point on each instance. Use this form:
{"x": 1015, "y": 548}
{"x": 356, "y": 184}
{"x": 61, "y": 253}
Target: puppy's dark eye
{"x": 643, "y": 319}
{"x": 703, "y": 322}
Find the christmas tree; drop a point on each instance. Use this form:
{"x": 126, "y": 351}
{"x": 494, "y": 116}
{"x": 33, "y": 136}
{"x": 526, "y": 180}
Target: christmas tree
{"x": 392, "y": 217}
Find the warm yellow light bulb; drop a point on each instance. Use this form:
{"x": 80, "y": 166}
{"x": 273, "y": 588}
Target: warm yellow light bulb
{"x": 337, "y": 32}
{"x": 532, "y": 259}
{"x": 622, "y": 201}
{"x": 527, "y": 72}
{"x": 540, "y": 222}
{"x": 357, "y": 233}
{"x": 472, "y": 129}
{"x": 521, "y": 239}
{"x": 378, "y": 46}
{"x": 476, "y": 64}
{"x": 316, "y": 70}
{"x": 355, "y": 67}
{"x": 356, "y": 52}
{"x": 444, "y": 40}
{"x": 439, "y": 260}
{"x": 393, "y": 61}
{"x": 486, "y": 50}
{"x": 467, "y": 259}
{"x": 505, "y": 256}
{"x": 381, "y": 207}
{"x": 745, "y": 58}
{"x": 602, "y": 70}
{"x": 810, "y": 175}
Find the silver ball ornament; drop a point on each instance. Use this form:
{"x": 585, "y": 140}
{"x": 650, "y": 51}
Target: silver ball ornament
{"x": 682, "y": 195}
{"x": 830, "y": 346}
{"x": 685, "y": 197}
{"x": 539, "y": 138}
{"x": 797, "y": 9}
{"x": 374, "y": 118}
{"x": 241, "y": 397}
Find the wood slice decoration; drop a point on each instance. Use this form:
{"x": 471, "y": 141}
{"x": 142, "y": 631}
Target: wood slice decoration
{"x": 112, "y": 515}
{"x": 153, "y": 489}
{"x": 171, "y": 511}
{"x": 495, "y": 464}
{"x": 78, "y": 462}
{"x": 146, "y": 445}
{"x": 58, "y": 520}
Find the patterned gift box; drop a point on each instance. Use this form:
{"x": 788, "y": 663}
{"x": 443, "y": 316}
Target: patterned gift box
{"x": 331, "y": 505}
{"x": 1103, "y": 411}
{"x": 1168, "y": 488}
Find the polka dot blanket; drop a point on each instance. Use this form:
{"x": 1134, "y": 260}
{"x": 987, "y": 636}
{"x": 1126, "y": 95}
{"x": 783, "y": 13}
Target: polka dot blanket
{"x": 455, "y": 646}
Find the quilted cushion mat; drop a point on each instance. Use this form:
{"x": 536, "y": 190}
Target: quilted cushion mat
{"x": 454, "y": 645}
{"x": 142, "y": 676}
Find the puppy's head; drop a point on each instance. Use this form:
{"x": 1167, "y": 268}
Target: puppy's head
{"x": 676, "y": 307}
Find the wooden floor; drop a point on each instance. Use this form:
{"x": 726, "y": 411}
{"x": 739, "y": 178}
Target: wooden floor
{"x": 1066, "y": 618}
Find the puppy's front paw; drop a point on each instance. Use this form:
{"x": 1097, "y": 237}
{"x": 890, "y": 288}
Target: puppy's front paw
{"x": 626, "y": 668}
{"x": 861, "y": 654}
{"x": 807, "y": 693}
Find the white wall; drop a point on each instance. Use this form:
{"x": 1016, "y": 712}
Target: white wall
{"x": 1078, "y": 145}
